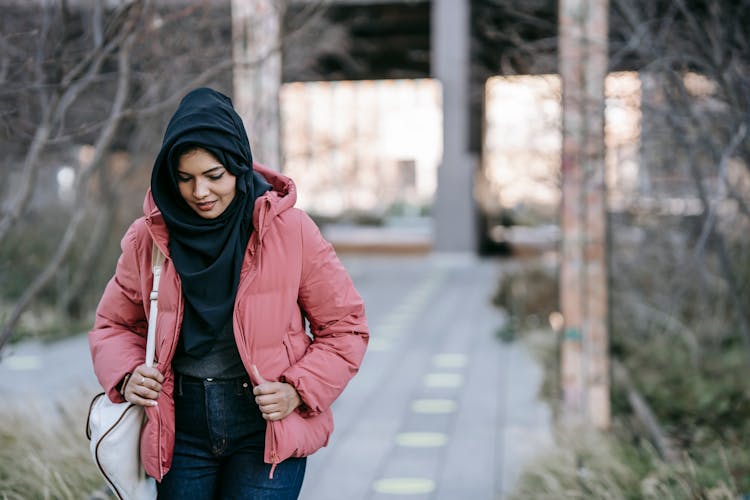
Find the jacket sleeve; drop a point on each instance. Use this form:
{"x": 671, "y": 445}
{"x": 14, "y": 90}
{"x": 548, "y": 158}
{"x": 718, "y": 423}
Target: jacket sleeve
{"x": 337, "y": 322}
{"x": 118, "y": 339}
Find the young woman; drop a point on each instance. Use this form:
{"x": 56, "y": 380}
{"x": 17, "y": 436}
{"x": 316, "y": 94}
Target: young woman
{"x": 240, "y": 393}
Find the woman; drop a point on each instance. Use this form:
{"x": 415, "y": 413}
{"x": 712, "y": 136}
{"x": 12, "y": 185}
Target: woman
{"x": 240, "y": 394}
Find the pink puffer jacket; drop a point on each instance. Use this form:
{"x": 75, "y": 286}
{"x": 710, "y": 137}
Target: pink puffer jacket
{"x": 290, "y": 272}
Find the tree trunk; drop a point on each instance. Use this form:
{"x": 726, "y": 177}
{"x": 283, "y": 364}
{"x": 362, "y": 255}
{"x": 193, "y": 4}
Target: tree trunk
{"x": 70, "y": 302}
{"x": 256, "y": 34}
{"x": 583, "y": 271}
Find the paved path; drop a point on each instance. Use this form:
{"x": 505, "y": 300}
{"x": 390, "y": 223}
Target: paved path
{"x": 440, "y": 409}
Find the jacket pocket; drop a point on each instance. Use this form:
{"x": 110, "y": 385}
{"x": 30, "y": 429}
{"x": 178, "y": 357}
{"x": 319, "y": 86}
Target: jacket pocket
{"x": 296, "y": 436}
{"x": 295, "y": 344}
{"x": 288, "y": 348}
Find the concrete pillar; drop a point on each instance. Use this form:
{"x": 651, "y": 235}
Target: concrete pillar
{"x": 256, "y": 49}
{"x": 454, "y": 209}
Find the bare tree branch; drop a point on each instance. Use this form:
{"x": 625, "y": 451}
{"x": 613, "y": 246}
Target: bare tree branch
{"x": 41, "y": 57}
{"x": 709, "y": 226}
{"x": 72, "y": 86}
{"x": 742, "y": 205}
{"x": 646, "y": 416}
{"x": 71, "y": 232}
{"x": 174, "y": 98}
{"x": 23, "y": 191}
{"x": 54, "y": 108}
{"x": 727, "y": 268}
{"x": 95, "y": 241}
{"x": 96, "y": 25}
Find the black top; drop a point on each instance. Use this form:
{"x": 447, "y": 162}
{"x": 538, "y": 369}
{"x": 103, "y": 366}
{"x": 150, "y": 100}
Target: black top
{"x": 221, "y": 362}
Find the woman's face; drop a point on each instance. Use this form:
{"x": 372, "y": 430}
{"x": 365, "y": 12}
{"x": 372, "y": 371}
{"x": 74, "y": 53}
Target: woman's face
{"x": 206, "y": 186}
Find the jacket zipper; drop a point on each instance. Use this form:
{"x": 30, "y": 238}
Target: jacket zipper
{"x": 274, "y": 456}
{"x": 254, "y": 249}
{"x": 159, "y": 434}
{"x": 171, "y": 347}
{"x": 174, "y": 336}
{"x": 158, "y": 429}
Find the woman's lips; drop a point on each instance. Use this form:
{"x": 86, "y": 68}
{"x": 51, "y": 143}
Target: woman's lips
{"x": 206, "y": 206}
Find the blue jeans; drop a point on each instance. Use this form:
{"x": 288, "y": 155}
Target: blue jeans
{"x": 219, "y": 442}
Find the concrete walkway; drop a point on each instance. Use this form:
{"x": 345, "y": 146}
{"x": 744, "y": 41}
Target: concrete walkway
{"x": 441, "y": 409}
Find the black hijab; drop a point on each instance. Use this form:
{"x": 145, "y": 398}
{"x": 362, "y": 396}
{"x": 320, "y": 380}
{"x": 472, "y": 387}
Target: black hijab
{"x": 207, "y": 253}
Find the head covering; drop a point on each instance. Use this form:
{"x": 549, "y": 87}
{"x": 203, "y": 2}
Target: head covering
{"x": 207, "y": 253}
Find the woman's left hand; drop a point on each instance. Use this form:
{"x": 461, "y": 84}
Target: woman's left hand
{"x": 276, "y": 400}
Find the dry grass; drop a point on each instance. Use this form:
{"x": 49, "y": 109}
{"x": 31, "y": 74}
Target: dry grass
{"x": 580, "y": 467}
{"x": 622, "y": 464}
{"x": 588, "y": 465}
{"x": 44, "y": 452}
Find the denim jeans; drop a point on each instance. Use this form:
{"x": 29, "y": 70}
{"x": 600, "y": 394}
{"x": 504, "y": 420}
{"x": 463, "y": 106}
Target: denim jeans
{"x": 219, "y": 442}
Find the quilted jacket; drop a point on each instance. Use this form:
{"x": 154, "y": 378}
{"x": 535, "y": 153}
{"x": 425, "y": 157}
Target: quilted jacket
{"x": 289, "y": 274}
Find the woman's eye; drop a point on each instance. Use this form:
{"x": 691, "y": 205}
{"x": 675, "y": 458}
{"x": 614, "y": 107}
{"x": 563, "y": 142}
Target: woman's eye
{"x": 182, "y": 178}
{"x": 216, "y": 177}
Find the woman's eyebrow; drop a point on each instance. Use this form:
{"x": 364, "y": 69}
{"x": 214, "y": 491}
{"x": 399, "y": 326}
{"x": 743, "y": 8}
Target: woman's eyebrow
{"x": 212, "y": 169}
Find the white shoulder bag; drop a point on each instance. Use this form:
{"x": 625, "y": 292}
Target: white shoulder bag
{"x": 114, "y": 429}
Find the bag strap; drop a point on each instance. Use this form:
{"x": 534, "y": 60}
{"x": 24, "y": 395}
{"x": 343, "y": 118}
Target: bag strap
{"x": 157, "y": 260}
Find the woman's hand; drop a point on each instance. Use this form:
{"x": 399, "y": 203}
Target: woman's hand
{"x": 276, "y": 400}
{"x": 143, "y": 386}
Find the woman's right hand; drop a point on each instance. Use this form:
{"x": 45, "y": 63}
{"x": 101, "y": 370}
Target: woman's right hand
{"x": 144, "y": 386}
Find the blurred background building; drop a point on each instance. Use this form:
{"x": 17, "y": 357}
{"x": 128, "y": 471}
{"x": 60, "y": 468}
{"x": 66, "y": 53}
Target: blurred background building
{"x": 363, "y": 120}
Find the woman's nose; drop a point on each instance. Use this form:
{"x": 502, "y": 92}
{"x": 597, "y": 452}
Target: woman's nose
{"x": 200, "y": 189}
